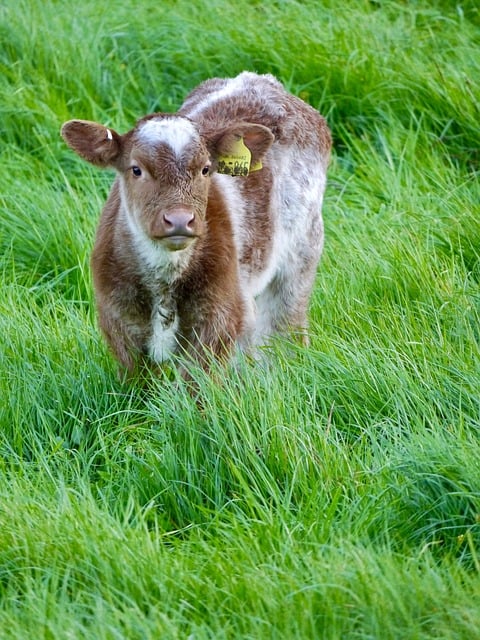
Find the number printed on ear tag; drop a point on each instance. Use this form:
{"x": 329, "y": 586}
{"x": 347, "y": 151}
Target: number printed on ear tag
{"x": 237, "y": 162}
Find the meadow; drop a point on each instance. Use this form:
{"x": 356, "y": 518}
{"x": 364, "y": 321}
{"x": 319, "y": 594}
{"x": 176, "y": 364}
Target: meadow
{"x": 331, "y": 492}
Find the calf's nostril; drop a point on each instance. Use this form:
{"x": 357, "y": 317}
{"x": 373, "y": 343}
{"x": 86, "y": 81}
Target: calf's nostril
{"x": 167, "y": 220}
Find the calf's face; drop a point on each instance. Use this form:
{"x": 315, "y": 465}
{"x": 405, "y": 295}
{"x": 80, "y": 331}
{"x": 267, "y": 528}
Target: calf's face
{"x": 164, "y": 176}
{"x": 164, "y": 166}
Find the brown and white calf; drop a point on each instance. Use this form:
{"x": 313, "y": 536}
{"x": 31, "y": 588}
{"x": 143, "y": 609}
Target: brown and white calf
{"x": 189, "y": 259}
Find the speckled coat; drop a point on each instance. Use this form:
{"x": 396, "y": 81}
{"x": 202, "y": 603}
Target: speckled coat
{"x": 188, "y": 260}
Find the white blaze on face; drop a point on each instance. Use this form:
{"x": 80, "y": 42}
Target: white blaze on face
{"x": 177, "y": 133}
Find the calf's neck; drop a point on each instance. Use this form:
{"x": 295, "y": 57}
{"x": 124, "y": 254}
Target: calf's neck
{"x": 212, "y": 231}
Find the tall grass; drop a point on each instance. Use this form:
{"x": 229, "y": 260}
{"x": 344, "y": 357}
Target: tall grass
{"x": 329, "y": 492}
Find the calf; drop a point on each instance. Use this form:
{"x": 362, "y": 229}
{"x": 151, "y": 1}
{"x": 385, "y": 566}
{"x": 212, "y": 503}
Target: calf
{"x": 212, "y": 231}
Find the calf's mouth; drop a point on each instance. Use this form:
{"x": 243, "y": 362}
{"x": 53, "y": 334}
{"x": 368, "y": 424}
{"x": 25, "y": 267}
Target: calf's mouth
{"x": 177, "y": 242}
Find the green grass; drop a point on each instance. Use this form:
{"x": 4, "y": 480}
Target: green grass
{"x": 330, "y": 492}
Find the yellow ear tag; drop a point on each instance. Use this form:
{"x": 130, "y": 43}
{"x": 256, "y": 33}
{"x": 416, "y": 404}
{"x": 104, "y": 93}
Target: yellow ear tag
{"x": 237, "y": 162}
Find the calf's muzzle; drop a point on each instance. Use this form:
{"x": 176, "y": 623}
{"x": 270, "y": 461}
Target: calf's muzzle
{"x": 175, "y": 228}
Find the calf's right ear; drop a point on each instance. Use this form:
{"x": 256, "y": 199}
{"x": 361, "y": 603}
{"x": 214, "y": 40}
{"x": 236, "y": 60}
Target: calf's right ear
{"x": 93, "y": 142}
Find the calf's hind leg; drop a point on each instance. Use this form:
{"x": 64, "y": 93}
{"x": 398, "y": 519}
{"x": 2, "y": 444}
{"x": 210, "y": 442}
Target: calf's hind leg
{"x": 281, "y": 308}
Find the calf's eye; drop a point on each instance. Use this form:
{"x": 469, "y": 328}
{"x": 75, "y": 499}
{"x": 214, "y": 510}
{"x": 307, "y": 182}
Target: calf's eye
{"x": 206, "y": 170}
{"x": 137, "y": 172}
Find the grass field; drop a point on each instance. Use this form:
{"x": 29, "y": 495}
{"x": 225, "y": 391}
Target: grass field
{"x": 332, "y": 493}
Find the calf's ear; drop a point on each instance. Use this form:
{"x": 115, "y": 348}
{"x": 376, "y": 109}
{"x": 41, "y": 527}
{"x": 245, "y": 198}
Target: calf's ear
{"x": 257, "y": 138}
{"x": 93, "y": 142}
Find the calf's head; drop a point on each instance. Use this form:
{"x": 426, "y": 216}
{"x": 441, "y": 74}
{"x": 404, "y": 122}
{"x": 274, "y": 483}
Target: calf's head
{"x": 164, "y": 165}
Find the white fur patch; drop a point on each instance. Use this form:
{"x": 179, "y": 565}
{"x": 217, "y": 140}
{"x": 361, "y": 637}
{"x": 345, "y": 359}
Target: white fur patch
{"x": 235, "y": 204}
{"x": 232, "y": 87}
{"x": 163, "y": 341}
{"x": 245, "y": 86}
{"x": 176, "y": 132}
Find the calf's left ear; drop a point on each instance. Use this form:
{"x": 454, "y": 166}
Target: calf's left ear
{"x": 257, "y": 138}
{"x": 93, "y": 142}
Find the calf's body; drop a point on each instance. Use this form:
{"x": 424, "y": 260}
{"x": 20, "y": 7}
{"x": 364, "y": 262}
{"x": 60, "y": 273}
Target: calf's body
{"x": 212, "y": 231}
